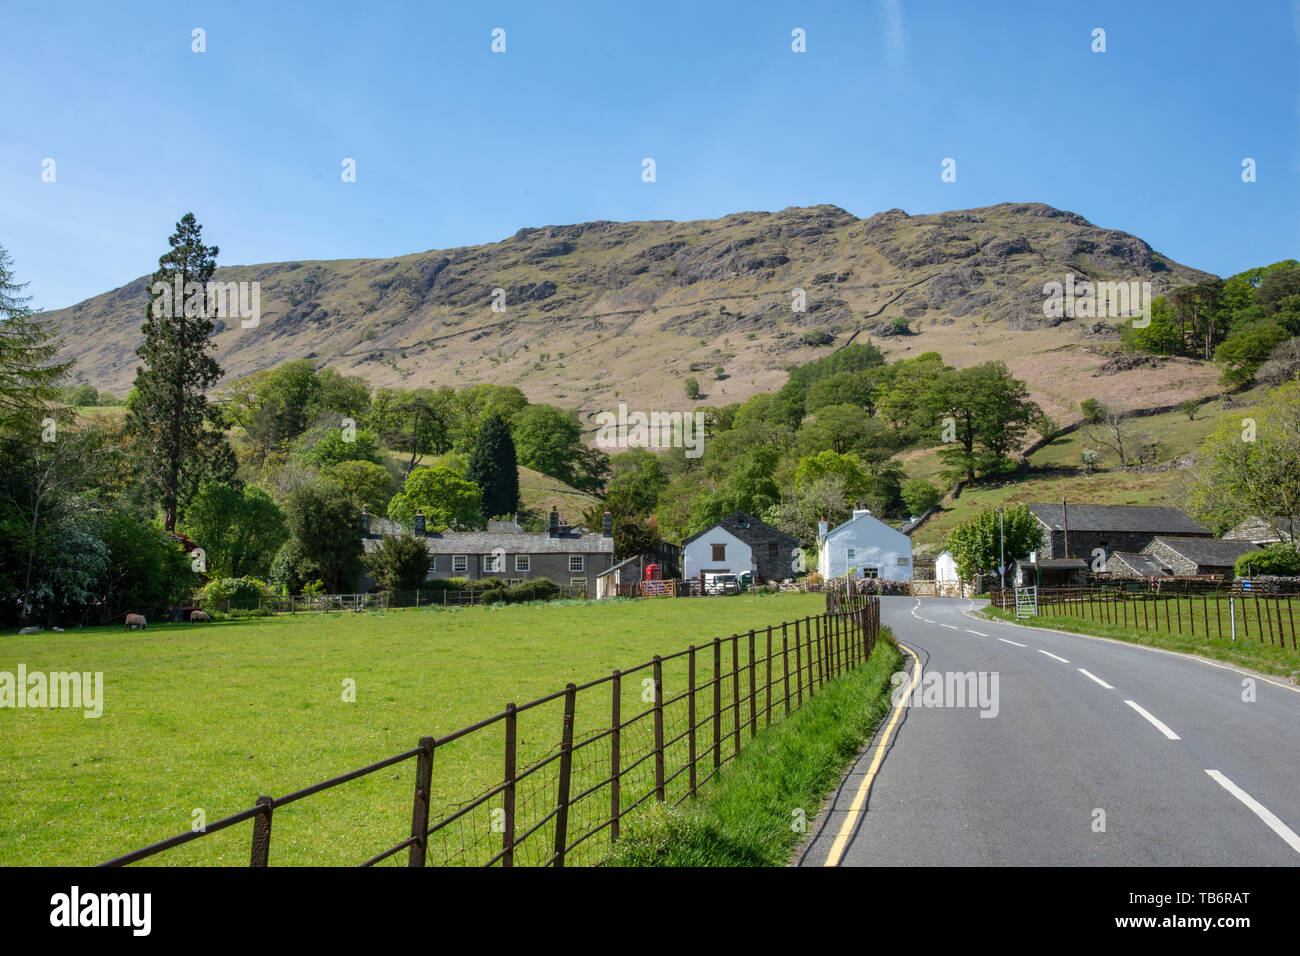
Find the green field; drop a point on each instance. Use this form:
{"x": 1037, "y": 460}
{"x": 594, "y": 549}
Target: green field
{"x": 207, "y": 718}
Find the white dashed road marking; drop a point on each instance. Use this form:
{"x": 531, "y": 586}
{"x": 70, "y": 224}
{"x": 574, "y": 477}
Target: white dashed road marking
{"x": 1094, "y": 677}
{"x": 1053, "y": 656}
{"x": 969, "y": 631}
{"x": 1257, "y": 808}
{"x": 1156, "y": 723}
{"x": 1005, "y": 641}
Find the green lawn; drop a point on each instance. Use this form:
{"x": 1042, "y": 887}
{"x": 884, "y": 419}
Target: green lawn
{"x": 207, "y": 718}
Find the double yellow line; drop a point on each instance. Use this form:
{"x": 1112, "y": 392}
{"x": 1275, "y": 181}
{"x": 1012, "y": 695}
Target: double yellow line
{"x": 864, "y": 789}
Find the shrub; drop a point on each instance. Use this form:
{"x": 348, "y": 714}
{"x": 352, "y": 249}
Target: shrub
{"x": 539, "y": 589}
{"x": 815, "y": 337}
{"x": 1279, "y": 558}
{"x": 399, "y": 563}
{"x": 244, "y": 594}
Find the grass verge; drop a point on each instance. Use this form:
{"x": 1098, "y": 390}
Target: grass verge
{"x": 746, "y": 816}
{"x": 1265, "y": 658}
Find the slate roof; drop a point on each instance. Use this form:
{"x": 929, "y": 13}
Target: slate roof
{"x": 485, "y": 542}
{"x": 745, "y": 527}
{"x": 1133, "y": 518}
{"x": 1207, "y": 552}
{"x": 1147, "y": 565}
{"x": 1054, "y": 564}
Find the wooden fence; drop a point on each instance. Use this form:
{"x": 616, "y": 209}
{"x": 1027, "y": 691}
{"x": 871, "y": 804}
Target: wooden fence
{"x": 572, "y": 765}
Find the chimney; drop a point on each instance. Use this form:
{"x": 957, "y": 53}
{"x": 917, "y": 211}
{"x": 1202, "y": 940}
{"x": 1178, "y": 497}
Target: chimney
{"x": 822, "y": 528}
{"x": 607, "y": 525}
{"x": 419, "y": 523}
{"x": 553, "y": 527}
{"x": 365, "y": 519}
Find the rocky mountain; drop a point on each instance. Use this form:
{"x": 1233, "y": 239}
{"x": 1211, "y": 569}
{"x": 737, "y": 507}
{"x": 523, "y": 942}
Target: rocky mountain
{"x": 603, "y": 312}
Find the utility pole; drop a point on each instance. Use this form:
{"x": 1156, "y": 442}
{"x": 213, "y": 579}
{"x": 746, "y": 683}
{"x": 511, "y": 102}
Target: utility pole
{"x": 1002, "y": 553}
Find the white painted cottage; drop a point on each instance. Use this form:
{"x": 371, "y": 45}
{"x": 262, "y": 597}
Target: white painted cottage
{"x": 866, "y": 547}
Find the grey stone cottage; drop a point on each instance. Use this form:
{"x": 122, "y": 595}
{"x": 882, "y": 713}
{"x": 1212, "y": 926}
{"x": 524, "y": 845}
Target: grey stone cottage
{"x": 569, "y": 557}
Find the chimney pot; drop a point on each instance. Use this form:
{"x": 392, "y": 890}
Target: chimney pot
{"x": 607, "y": 525}
{"x": 420, "y": 525}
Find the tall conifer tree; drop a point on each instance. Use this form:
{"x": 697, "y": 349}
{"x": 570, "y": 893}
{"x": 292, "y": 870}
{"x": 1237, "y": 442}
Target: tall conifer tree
{"x": 169, "y": 408}
{"x": 494, "y": 467}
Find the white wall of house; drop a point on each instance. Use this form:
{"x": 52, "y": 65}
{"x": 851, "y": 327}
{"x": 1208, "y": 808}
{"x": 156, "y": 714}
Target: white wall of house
{"x": 945, "y": 568}
{"x": 738, "y": 557}
{"x": 865, "y": 544}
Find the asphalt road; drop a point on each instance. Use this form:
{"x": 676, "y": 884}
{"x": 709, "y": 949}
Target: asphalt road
{"x": 1189, "y": 773}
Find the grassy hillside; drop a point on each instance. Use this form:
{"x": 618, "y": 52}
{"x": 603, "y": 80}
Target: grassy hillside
{"x": 603, "y": 312}
{"x": 1055, "y": 471}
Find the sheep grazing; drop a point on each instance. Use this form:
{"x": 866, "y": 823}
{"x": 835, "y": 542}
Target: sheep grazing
{"x": 136, "y": 622}
{"x": 200, "y": 617}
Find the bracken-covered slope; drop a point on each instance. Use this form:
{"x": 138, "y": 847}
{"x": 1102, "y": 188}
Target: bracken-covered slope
{"x": 604, "y": 312}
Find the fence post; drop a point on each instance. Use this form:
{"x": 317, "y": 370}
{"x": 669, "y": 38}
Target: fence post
{"x": 798, "y": 667}
{"x": 753, "y": 691}
{"x": 690, "y": 713}
{"x": 785, "y": 665}
{"x": 717, "y": 702}
{"x": 769, "y": 676}
{"x": 615, "y": 732}
{"x": 262, "y": 833}
{"x": 659, "y": 728}
{"x": 735, "y": 693}
{"x": 508, "y": 794}
{"x": 566, "y": 768}
{"x": 420, "y": 807}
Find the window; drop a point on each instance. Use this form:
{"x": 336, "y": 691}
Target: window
{"x": 773, "y": 550}
{"x": 577, "y": 582}
{"x": 492, "y": 563}
{"x": 576, "y": 563}
{"x": 523, "y": 562}
{"x": 871, "y": 572}
{"x": 433, "y": 563}
{"x": 511, "y": 582}
{"x": 904, "y": 561}
{"x": 719, "y": 552}
{"x": 852, "y": 554}
{"x": 459, "y": 563}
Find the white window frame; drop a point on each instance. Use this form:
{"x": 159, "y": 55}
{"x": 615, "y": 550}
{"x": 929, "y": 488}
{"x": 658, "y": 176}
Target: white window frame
{"x": 491, "y": 564}
{"x": 524, "y": 562}
{"x": 577, "y": 582}
{"x": 871, "y": 572}
{"x": 577, "y": 563}
{"x": 459, "y": 563}
{"x": 850, "y": 554}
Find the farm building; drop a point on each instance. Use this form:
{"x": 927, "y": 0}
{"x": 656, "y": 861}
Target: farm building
{"x": 1264, "y": 531}
{"x": 1127, "y": 564}
{"x": 1198, "y": 555}
{"x": 865, "y": 547}
{"x": 568, "y": 557}
{"x": 1093, "y": 531}
{"x": 740, "y": 544}
{"x": 1052, "y": 573}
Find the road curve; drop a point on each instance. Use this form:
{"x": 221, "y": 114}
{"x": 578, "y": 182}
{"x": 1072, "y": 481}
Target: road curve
{"x": 1097, "y": 753}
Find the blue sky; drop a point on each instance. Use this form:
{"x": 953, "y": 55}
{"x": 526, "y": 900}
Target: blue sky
{"x": 457, "y": 145}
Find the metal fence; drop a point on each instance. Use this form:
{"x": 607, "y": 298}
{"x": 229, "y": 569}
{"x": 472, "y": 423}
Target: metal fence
{"x": 1235, "y": 615}
{"x": 557, "y": 776}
